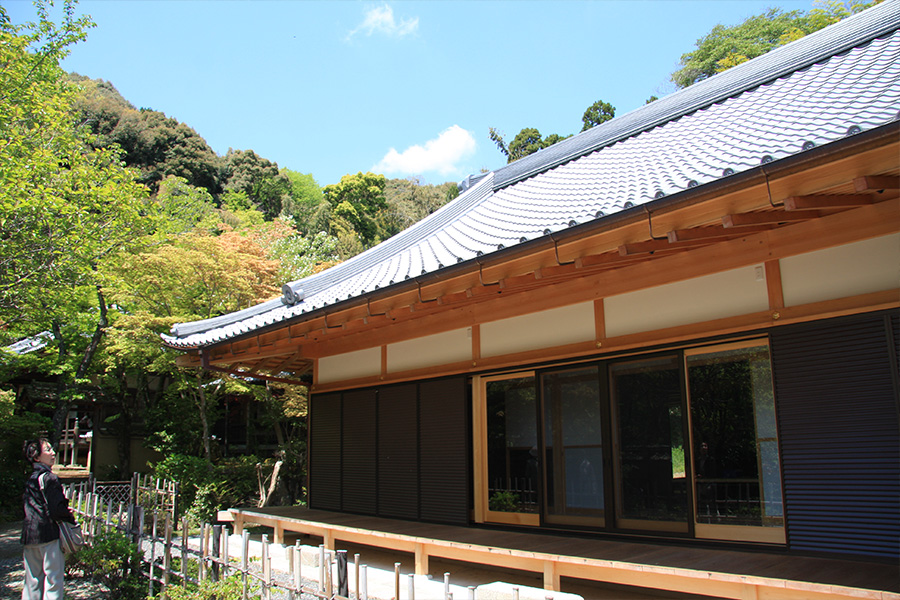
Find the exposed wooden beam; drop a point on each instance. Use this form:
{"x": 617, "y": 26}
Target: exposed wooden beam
{"x": 877, "y": 183}
{"x": 768, "y": 218}
{"x": 652, "y": 246}
{"x": 820, "y": 202}
{"x": 712, "y": 233}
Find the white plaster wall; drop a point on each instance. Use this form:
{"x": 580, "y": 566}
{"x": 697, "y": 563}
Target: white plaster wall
{"x": 431, "y": 350}
{"x": 351, "y": 365}
{"x": 545, "y": 329}
{"x": 858, "y": 268}
{"x": 726, "y": 294}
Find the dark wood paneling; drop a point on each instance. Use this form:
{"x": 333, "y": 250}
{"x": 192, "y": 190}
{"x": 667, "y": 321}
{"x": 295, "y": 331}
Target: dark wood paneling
{"x": 398, "y": 460}
{"x": 443, "y": 449}
{"x": 358, "y": 464}
{"x": 325, "y": 452}
{"x": 839, "y": 432}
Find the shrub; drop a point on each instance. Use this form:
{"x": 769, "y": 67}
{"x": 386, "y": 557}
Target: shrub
{"x": 112, "y": 560}
{"x": 225, "y": 589}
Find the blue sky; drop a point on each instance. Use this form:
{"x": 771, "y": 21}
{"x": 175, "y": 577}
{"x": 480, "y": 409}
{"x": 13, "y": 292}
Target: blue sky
{"x": 408, "y": 89}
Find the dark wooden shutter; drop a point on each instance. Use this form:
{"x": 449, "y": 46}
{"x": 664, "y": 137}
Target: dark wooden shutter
{"x": 358, "y": 465}
{"x": 444, "y": 449}
{"x": 325, "y": 452}
{"x": 398, "y": 459}
{"x": 835, "y": 384}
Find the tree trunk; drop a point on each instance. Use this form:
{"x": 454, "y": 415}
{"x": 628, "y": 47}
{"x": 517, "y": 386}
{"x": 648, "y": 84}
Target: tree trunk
{"x": 265, "y": 494}
{"x": 204, "y": 423}
{"x": 65, "y": 385}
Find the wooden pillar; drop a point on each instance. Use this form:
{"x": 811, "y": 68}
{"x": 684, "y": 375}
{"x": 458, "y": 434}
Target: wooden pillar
{"x": 279, "y": 532}
{"x": 551, "y": 575}
{"x": 238, "y": 523}
{"x": 421, "y": 560}
{"x": 328, "y": 539}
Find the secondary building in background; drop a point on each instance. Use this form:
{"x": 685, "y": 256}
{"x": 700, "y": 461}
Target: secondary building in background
{"x": 681, "y": 324}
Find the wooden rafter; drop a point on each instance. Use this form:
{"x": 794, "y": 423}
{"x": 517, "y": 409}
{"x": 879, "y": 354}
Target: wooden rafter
{"x": 654, "y": 246}
{"x": 825, "y": 202}
{"x": 768, "y": 218}
{"x": 712, "y": 233}
{"x": 876, "y": 183}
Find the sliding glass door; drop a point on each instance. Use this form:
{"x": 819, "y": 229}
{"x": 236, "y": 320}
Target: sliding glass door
{"x": 573, "y": 447}
{"x": 650, "y": 475}
{"x": 683, "y": 442}
{"x": 737, "y": 474}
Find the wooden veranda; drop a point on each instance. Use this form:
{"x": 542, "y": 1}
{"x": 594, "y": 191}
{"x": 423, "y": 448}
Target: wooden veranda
{"x": 717, "y": 572}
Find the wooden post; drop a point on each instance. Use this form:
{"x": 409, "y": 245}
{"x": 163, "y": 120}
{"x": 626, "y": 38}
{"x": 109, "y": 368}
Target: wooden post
{"x": 298, "y": 565}
{"x": 411, "y": 587}
{"x": 421, "y": 560}
{"x": 446, "y": 585}
{"x": 167, "y": 550}
{"x": 551, "y": 576}
{"x": 397, "y": 581}
{"x": 204, "y": 538}
{"x": 363, "y": 592}
{"x": 266, "y": 567}
{"x": 216, "y": 550}
{"x": 356, "y": 573}
{"x": 153, "y": 533}
{"x": 184, "y": 552}
{"x": 321, "y": 567}
{"x": 226, "y": 543}
{"x": 343, "y": 587}
{"x": 245, "y": 561}
{"x": 329, "y": 582}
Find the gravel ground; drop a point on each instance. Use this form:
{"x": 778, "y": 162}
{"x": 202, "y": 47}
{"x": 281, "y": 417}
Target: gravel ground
{"x": 12, "y": 573}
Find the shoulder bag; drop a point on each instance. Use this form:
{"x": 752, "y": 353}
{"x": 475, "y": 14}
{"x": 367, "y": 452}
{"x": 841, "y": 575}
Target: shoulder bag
{"x": 71, "y": 538}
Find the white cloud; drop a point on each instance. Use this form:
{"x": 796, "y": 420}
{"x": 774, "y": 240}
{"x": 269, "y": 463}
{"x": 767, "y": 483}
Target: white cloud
{"x": 381, "y": 20}
{"x": 440, "y": 155}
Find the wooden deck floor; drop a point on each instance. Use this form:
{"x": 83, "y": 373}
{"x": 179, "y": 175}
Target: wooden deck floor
{"x": 717, "y": 572}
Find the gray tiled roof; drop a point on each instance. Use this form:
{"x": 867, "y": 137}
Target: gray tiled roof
{"x": 833, "y": 83}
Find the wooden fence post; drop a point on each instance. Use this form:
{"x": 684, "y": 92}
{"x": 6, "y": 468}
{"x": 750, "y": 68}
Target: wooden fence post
{"x": 184, "y": 552}
{"x": 153, "y": 534}
{"x": 226, "y": 546}
{"x": 298, "y": 566}
{"x": 216, "y": 550}
{"x": 266, "y": 571}
{"x": 343, "y": 588}
{"x": 245, "y": 564}
{"x": 204, "y": 538}
{"x": 167, "y": 549}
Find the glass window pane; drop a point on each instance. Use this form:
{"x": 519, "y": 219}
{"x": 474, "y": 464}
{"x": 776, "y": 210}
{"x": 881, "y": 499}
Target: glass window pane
{"x": 735, "y": 444}
{"x": 512, "y": 445}
{"x": 573, "y": 442}
{"x": 650, "y": 461}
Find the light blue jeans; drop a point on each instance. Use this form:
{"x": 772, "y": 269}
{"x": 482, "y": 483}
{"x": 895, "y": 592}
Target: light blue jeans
{"x": 44, "y": 572}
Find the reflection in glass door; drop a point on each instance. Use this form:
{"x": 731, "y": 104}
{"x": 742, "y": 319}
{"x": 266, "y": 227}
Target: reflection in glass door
{"x": 651, "y": 487}
{"x": 573, "y": 447}
{"x": 737, "y": 473}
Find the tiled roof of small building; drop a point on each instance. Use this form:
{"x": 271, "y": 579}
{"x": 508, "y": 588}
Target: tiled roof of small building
{"x": 836, "y": 82}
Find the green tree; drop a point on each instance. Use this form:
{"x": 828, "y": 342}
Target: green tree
{"x": 355, "y": 202}
{"x": 157, "y": 145}
{"x": 597, "y": 113}
{"x": 306, "y": 205}
{"x": 64, "y": 205}
{"x": 724, "y": 47}
{"x": 259, "y": 178}
{"x": 409, "y": 201}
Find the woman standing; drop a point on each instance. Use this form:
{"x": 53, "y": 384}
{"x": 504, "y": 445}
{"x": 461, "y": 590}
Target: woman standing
{"x": 44, "y": 503}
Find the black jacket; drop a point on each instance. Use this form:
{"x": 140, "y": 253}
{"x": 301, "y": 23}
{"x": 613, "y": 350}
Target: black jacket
{"x": 39, "y": 526}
